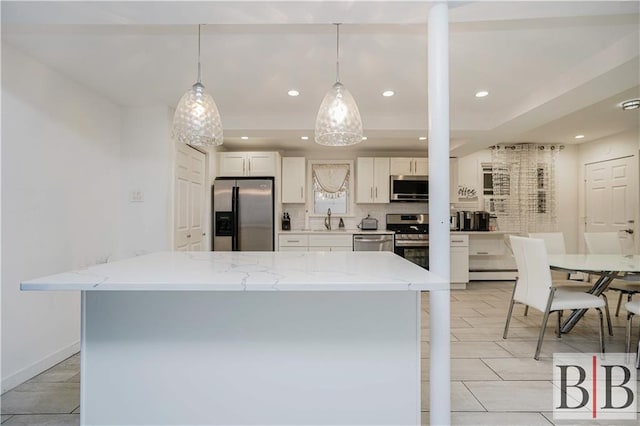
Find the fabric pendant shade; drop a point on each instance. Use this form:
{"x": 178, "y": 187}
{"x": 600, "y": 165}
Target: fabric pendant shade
{"x": 197, "y": 120}
{"x": 338, "y": 122}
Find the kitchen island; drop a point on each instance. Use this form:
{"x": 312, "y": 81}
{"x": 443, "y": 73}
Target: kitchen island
{"x": 252, "y": 338}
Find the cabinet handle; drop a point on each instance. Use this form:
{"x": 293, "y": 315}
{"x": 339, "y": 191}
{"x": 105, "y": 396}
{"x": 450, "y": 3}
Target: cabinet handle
{"x": 188, "y": 235}
{"x": 301, "y": 193}
{"x": 376, "y": 192}
{"x": 482, "y": 252}
{"x": 249, "y": 162}
{"x": 371, "y": 192}
{"x": 457, "y": 241}
{"x": 410, "y": 166}
{"x": 293, "y": 241}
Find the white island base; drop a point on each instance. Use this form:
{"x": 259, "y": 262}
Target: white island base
{"x": 254, "y": 338}
{"x": 213, "y": 358}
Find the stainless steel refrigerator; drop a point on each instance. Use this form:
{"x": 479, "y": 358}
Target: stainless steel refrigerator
{"x": 243, "y": 214}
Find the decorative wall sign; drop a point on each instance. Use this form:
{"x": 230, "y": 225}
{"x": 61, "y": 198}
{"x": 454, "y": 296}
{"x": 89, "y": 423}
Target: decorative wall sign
{"x": 467, "y": 193}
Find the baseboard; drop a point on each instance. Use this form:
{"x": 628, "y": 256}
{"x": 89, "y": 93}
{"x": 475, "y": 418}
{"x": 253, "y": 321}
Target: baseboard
{"x": 458, "y": 286}
{"x": 38, "y": 367}
{"x": 492, "y": 275}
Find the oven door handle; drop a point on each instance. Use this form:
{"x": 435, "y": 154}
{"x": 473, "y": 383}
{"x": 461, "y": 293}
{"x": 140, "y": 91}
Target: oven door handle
{"x": 415, "y": 243}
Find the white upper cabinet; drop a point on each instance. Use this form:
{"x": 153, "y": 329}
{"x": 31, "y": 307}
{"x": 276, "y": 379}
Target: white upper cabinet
{"x": 247, "y": 163}
{"x": 372, "y": 180}
{"x": 409, "y": 166}
{"x": 293, "y": 180}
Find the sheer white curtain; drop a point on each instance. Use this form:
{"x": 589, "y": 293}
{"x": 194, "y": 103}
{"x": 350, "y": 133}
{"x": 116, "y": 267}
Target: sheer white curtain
{"x": 524, "y": 186}
{"x": 331, "y": 179}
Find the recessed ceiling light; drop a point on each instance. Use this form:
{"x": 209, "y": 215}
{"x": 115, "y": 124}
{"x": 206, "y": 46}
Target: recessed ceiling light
{"x": 388, "y": 93}
{"x": 422, "y": 138}
{"x": 304, "y": 138}
{"x": 364, "y": 138}
{"x": 630, "y": 104}
{"x": 481, "y": 94}
{"x": 293, "y": 92}
{"x": 579, "y": 136}
{"x": 244, "y": 138}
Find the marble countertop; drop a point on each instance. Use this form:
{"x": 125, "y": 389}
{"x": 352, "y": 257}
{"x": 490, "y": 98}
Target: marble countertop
{"x": 248, "y": 271}
{"x": 334, "y": 231}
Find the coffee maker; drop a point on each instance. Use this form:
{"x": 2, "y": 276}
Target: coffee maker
{"x": 465, "y": 220}
{"x": 481, "y": 221}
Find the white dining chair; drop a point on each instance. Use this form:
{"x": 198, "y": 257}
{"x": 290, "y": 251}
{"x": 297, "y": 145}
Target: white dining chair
{"x": 603, "y": 242}
{"x": 534, "y": 288}
{"x": 554, "y": 243}
{"x": 610, "y": 243}
{"x": 633, "y": 308}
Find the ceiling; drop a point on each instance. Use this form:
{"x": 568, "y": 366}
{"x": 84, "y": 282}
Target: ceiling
{"x": 553, "y": 70}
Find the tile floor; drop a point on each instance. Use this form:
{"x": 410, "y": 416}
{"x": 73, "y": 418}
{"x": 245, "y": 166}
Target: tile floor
{"x": 493, "y": 381}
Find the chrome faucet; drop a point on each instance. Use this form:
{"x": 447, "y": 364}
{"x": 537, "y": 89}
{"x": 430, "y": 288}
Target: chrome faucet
{"x": 327, "y": 220}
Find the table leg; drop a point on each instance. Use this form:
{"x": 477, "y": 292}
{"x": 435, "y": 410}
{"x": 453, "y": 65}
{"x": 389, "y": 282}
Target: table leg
{"x": 598, "y": 288}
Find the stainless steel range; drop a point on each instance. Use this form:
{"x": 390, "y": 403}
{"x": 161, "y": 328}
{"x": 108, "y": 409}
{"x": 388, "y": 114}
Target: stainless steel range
{"x": 412, "y": 236}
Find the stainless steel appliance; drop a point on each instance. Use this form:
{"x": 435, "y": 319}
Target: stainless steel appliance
{"x": 243, "y": 217}
{"x": 409, "y": 188}
{"x": 411, "y": 236}
{"x": 372, "y": 242}
{"x": 481, "y": 221}
{"x": 465, "y": 220}
{"x": 368, "y": 224}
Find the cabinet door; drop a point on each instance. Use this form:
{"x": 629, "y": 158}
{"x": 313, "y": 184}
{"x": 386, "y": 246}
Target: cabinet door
{"x": 293, "y": 180}
{"x": 421, "y": 166}
{"x": 364, "y": 180}
{"x": 401, "y": 166}
{"x": 381, "y": 180}
{"x": 261, "y": 164}
{"x": 459, "y": 265}
{"x": 232, "y": 164}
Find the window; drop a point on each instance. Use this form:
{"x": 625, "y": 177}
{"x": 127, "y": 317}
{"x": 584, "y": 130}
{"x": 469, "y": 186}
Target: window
{"x": 331, "y": 184}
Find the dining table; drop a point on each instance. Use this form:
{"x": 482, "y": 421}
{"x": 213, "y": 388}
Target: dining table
{"x": 607, "y": 267}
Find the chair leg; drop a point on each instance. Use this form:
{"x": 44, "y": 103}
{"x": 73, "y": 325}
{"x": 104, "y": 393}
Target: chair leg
{"x": 558, "y": 333}
{"x": 638, "y": 353}
{"x": 619, "y": 303}
{"x": 506, "y": 325}
{"x": 628, "y": 336}
{"x": 526, "y": 310}
{"x": 545, "y": 318}
{"x": 606, "y": 311}
{"x": 601, "y": 330}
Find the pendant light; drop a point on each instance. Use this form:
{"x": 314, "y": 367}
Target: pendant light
{"x": 338, "y": 122}
{"x": 197, "y": 120}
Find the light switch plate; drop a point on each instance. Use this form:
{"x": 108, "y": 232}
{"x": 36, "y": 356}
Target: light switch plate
{"x": 136, "y": 196}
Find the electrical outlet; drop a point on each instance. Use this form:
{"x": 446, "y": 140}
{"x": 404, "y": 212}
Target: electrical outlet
{"x": 136, "y": 196}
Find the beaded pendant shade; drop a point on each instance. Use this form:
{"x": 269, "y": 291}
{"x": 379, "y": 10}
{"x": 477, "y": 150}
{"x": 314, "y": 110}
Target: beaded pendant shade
{"x": 338, "y": 122}
{"x": 197, "y": 120}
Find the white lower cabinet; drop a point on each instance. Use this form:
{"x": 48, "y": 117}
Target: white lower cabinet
{"x": 459, "y": 269}
{"x": 315, "y": 242}
{"x": 490, "y": 258}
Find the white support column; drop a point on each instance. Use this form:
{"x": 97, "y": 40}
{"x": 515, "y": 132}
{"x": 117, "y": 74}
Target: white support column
{"x": 439, "y": 254}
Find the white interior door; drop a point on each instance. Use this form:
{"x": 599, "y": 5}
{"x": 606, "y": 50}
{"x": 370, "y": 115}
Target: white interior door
{"x": 611, "y": 197}
{"x": 189, "y": 199}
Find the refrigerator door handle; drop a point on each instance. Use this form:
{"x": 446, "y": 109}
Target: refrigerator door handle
{"x": 234, "y": 209}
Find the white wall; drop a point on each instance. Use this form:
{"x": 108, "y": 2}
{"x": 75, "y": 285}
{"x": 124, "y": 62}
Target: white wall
{"x": 469, "y": 173}
{"x": 147, "y": 167}
{"x": 60, "y": 183}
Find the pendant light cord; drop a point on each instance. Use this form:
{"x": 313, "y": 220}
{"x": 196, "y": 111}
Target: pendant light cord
{"x": 337, "y": 53}
{"x": 198, "y": 53}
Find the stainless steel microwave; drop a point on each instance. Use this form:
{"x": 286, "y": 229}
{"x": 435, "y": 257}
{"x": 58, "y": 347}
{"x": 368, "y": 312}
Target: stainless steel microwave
{"x": 409, "y": 188}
